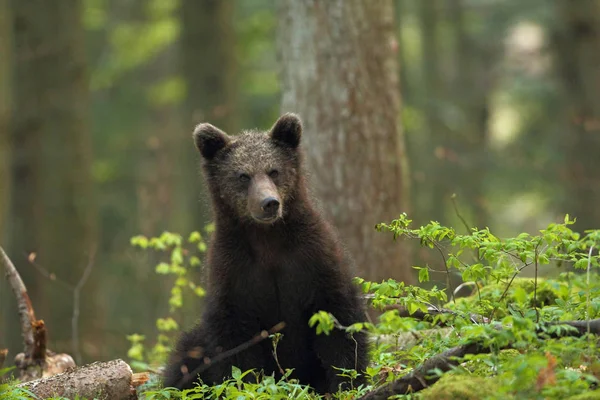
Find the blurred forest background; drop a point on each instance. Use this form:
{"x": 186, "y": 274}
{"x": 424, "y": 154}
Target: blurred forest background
{"x": 405, "y": 103}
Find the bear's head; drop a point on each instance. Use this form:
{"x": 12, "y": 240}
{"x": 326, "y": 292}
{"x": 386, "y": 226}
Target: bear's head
{"x": 254, "y": 175}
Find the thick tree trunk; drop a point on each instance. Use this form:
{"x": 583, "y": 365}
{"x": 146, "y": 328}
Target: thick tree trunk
{"x": 53, "y": 203}
{"x": 577, "y": 45}
{"x": 208, "y": 65}
{"x": 340, "y": 74}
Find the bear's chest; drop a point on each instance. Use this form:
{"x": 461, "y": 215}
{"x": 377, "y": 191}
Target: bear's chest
{"x": 276, "y": 291}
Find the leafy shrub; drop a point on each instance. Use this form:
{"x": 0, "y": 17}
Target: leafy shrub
{"x": 512, "y": 313}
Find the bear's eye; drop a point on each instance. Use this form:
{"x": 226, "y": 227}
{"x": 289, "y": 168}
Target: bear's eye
{"x": 244, "y": 178}
{"x": 273, "y": 173}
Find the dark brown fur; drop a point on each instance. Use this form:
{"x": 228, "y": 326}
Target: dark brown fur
{"x": 268, "y": 266}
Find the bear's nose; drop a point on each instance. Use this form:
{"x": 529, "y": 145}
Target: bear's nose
{"x": 270, "y": 205}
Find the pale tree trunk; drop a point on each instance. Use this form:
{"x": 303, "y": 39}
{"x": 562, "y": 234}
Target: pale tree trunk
{"x": 208, "y": 66}
{"x": 577, "y": 44}
{"x": 5, "y": 79}
{"x": 53, "y": 203}
{"x": 340, "y": 74}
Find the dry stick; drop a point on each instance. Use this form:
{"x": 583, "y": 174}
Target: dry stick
{"x": 75, "y": 316}
{"x": 448, "y": 280}
{"x": 238, "y": 349}
{"x": 76, "y": 297}
{"x": 521, "y": 268}
{"x": 422, "y": 377}
{"x": 587, "y": 306}
{"x": 535, "y": 282}
{"x": 26, "y": 313}
{"x": 453, "y": 198}
{"x": 432, "y": 311}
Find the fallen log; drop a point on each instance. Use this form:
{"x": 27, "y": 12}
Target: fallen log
{"x": 110, "y": 380}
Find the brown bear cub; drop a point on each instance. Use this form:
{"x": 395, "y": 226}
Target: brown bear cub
{"x": 272, "y": 259}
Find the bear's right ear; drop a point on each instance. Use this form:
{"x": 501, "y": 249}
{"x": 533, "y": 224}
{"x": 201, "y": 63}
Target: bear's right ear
{"x": 209, "y": 140}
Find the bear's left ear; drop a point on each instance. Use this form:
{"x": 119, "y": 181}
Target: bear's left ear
{"x": 287, "y": 130}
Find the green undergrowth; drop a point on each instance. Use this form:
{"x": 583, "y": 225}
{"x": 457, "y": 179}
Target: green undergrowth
{"x": 509, "y": 310}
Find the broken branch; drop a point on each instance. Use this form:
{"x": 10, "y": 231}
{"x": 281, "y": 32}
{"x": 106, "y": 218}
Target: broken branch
{"x": 26, "y": 313}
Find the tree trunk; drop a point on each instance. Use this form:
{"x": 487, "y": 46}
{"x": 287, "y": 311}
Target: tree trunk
{"x": 208, "y": 65}
{"x": 53, "y": 203}
{"x": 5, "y": 79}
{"x": 472, "y": 86}
{"x": 438, "y": 180}
{"x": 577, "y": 46}
{"x": 340, "y": 74}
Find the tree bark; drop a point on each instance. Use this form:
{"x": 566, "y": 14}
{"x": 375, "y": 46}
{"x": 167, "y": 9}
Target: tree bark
{"x": 577, "y": 50}
{"x": 208, "y": 66}
{"x": 110, "y": 380}
{"x": 471, "y": 89}
{"x": 438, "y": 180}
{"x": 5, "y": 79}
{"x": 340, "y": 74}
{"x": 53, "y": 206}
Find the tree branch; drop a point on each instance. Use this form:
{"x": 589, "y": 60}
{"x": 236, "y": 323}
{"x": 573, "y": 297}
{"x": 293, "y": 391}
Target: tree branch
{"x": 36, "y": 361}
{"x": 76, "y": 290}
{"x": 26, "y": 313}
{"x": 76, "y": 296}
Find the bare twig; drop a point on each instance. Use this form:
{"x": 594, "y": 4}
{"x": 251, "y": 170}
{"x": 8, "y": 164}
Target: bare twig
{"x": 535, "y": 281}
{"x": 45, "y": 273}
{"x": 521, "y": 268}
{"x": 226, "y": 354}
{"x": 76, "y": 290}
{"x": 587, "y": 308}
{"x": 448, "y": 280}
{"x": 432, "y": 311}
{"x": 26, "y": 313}
{"x": 453, "y": 198}
{"x": 76, "y": 296}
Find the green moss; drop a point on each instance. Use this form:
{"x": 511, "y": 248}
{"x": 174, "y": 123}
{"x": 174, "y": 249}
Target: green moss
{"x": 461, "y": 387}
{"x": 478, "y": 367}
{"x": 594, "y": 395}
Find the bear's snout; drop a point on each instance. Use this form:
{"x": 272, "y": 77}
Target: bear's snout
{"x": 270, "y": 205}
{"x": 264, "y": 203}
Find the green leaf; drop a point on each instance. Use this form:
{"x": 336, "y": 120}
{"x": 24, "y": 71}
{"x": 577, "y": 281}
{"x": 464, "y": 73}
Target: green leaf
{"x": 163, "y": 268}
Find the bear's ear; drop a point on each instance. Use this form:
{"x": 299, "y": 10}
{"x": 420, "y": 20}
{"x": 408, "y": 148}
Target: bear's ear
{"x": 209, "y": 140}
{"x": 287, "y": 130}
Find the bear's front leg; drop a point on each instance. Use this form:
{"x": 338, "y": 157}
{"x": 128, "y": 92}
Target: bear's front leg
{"x": 210, "y": 350}
{"x": 341, "y": 349}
